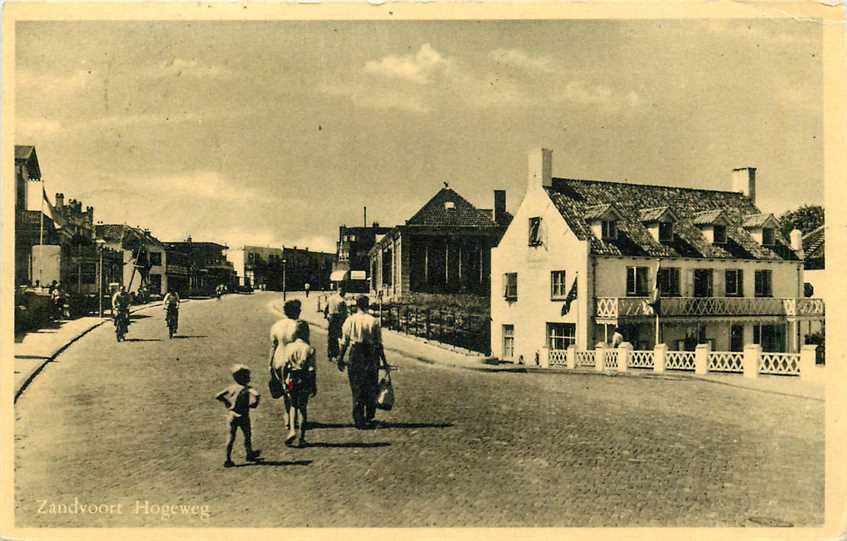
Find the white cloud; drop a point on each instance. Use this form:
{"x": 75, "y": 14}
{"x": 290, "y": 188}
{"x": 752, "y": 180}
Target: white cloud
{"x": 178, "y": 67}
{"x": 379, "y": 98}
{"x": 417, "y": 68}
{"x": 34, "y": 128}
{"x": 53, "y": 82}
{"x": 197, "y": 185}
{"x": 521, "y": 59}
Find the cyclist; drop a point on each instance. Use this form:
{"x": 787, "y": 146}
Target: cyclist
{"x": 120, "y": 306}
{"x": 171, "y": 305}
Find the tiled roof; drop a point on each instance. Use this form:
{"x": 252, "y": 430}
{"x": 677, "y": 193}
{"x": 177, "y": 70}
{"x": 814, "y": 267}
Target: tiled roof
{"x": 813, "y": 243}
{"x": 599, "y": 211}
{"x": 463, "y": 214}
{"x": 27, "y": 153}
{"x": 573, "y": 198}
{"x": 706, "y": 217}
{"x": 757, "y": 220}
{"x": 652, "y": 214}
{"x": 113, "y": 232}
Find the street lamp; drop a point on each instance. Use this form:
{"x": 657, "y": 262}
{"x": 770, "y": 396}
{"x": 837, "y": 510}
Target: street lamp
{"x": 100, "y": 245}
{"x": 283, "y": 280}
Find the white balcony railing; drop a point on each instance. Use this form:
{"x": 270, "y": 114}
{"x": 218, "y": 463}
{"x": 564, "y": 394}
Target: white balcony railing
{"x": 620, "y": 307}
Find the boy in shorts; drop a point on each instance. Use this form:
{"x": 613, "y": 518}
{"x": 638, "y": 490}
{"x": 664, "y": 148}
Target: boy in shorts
{"x": 238, "y": 399}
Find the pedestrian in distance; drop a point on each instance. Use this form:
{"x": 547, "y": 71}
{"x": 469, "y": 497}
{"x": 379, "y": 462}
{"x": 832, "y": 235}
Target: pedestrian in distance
{"x": 239, "y": 398}
{"x": 336, "y": 312}
{"x": 299, "y": 375}
{"x": 363, "y": 337}
{"x": 306, "y": 288}
{"x": 283, "y": 332}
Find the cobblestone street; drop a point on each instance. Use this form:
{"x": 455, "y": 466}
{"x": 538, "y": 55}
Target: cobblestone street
{"x": 121, "y": 423}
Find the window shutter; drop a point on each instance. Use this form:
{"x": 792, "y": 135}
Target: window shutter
{"x": 689, "y": 283}
{"x": 505, "y": 285}
{"x": 719, "y": 288}
{"x": 740, "y": 279}
{"x": 630, "y": 280}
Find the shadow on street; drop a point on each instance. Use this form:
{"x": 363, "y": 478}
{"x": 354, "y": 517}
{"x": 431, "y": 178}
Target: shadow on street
{"x": 379, "y": 425}
{"x": 142, "y": 340}
{"x": 186, "y": 336}
{"x": 275, "y": 463}
{"x": 349, "y": 445}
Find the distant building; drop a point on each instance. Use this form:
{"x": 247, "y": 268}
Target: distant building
{"x": 444, "y": 248}
{"x": 208, "y": 265}
{"x": 257, "y": 266}
{"x": 352, "y": 254}
{"x": 584, "y": 256}
{"x": 144, "y": 257}
{"x": 304, "y": 266}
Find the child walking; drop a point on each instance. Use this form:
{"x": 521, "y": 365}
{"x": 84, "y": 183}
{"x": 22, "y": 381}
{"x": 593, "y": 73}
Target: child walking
{"x": 300, "y": 380}
{"x": 238, "y": 399}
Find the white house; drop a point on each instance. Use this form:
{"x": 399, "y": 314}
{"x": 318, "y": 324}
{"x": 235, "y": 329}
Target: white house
{"x": 581, "y": 257}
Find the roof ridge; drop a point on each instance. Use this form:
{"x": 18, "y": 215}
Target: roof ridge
{"x": 627, "y": 183}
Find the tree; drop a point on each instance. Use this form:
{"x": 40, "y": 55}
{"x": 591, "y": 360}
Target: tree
{"x": 807, "y": 218}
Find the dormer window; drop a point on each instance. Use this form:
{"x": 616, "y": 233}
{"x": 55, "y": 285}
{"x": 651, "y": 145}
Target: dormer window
{"x": 768, "y": 237}
{"x": 609, "y": 229}
{"x": 659, "y": 222}
{"x": 449, "y": 205}
{"x": 719, "y": 234}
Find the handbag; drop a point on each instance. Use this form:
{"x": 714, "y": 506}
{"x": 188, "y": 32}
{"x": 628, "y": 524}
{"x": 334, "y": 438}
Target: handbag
{"x": 275, "y": 385}
{"x": 385, "y": 393}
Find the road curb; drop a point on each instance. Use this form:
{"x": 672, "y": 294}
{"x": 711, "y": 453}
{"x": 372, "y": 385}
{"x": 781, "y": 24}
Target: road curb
{"x": 40, "y": 366}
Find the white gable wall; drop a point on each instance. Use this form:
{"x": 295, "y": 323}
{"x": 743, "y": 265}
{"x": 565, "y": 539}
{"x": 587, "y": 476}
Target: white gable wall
{"x": 560, "y": 250}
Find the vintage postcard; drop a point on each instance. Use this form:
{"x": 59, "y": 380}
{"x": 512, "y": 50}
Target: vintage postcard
{"x": 423, "y": 267}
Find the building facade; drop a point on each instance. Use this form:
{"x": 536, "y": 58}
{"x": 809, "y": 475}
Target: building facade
{"x": 352, "y": 263}
{"x": 208, "y": 265}
{"x": 258, "y": 267}
{"x": 303, "y": 266}
{"x": 444, "y": 248}
{"x": 584, "y": 257}
{"x": 144, "y": 258}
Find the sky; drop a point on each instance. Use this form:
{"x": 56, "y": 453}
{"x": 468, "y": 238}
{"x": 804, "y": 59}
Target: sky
{"x": 271, "y": 133}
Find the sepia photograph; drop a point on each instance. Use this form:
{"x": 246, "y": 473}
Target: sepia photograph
{"x": 418, "y": 272}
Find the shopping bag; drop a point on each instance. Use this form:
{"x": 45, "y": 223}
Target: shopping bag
{"x": 385, "y": 393}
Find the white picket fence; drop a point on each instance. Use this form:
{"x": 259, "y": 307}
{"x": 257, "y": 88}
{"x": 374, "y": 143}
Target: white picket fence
{"x": 751, "y": 362}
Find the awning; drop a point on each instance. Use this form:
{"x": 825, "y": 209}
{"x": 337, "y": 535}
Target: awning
{"x": 338, "y": 276}
{"x": 358, "y": 275}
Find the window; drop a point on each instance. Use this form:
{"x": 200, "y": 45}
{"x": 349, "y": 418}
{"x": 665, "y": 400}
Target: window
{"x": 561, "y": 335}
{"x": 609, "y": 229}
{"x": 669, "y": 281}
{"x": 535, "y": 231}
{"x": 768, "y": 238}
{"x": 770, "y": 337}
{"x": 665, "y": 232}
{"x": 703, "y": 282}
{"x": 508, "y": 341}
{"x": 719, "y": 232}
{"x": 557, "y": 284}
{"x": 636, "y": 281}
{"x": 764, "y": 283}
{"x": 449, "y": 205}
{"x": 510, "y": 285}
{"x": 734, "y": 283}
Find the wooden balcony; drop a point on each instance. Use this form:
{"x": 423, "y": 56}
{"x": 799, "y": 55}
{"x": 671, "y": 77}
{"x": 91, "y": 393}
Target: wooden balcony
{"x": 614, "y": 308}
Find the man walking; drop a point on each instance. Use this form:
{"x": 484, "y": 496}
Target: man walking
{"x": 336, "y": 312}
{"x": 362, "y": 335}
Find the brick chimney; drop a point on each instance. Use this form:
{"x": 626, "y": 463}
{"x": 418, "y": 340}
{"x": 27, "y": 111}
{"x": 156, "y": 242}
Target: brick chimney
{"x": 744, "y": 181}
{"x": 499, "y": 206}
{"x": 60, "y": 200}
{"x": 540, "y": 168}
{"x": 89, "y": 214}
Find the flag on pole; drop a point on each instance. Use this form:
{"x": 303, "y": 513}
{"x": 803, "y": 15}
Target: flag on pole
{"x": 655, "y": 300}
{"x": 571, "y": 297}
{"x": 50, "y": 210}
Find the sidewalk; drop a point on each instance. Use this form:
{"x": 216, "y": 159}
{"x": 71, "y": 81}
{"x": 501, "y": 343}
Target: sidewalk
{"x": 33, "y": 350}
{"x": 441, "y": 354}
{"x": 411, "y": 346}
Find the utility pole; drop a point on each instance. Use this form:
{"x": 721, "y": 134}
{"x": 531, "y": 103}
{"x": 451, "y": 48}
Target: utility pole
{"x": 283, "y": 280}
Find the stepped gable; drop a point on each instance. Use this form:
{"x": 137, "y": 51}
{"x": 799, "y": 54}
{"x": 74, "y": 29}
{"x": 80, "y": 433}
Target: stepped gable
{"x": 577, "y": 199}
{"x": 463, "y": 214}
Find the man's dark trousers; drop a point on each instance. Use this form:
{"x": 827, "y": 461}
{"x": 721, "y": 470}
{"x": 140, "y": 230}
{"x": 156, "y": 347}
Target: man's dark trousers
{"x": 364, "y": 375}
